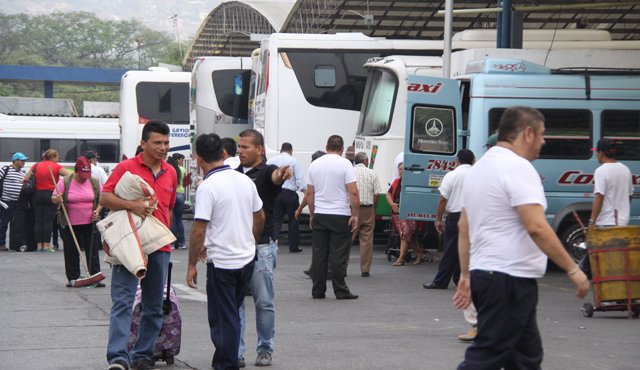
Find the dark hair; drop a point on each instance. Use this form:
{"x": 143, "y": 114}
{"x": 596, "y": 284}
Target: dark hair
{"x": 256, "y": 137}
{"x": 465, "y": 156}
{"x": 286, "y": 147}
{"x": 317, "y": 154}
{"x": 139, "y": 150}
{"x": 177, "y": 156}
{"x": 335, "y": 143}
{"x": 209, "y": 147}
{"x": 154, "y": 126}
{"x": 230, "y": 146}
{"x": 360, "y": 157}
{"x": 174, "y": 163}
{"x": 516, "y": 119}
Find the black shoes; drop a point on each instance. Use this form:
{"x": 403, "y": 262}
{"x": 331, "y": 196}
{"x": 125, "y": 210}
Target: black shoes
{"x": 433, "y": 286}
{"x": 365, "y": 274}
{"x": 143, "y": 364}
{"x": 296, "y": 250}
{"x": 318, "y": 296}
{"x": 348, "y": 296}
{"x": 307, "y": 272}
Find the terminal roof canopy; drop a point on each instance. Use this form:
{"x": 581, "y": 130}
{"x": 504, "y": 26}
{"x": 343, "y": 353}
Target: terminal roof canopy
{"x": 227, "y": 30}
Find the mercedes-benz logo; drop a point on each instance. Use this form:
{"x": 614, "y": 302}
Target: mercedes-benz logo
{"x": 433, "y": 127}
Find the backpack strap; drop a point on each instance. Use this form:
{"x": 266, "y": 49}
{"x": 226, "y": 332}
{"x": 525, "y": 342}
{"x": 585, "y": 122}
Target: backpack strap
{"x": 67, "y": 185}
{"x": 96, "y": 191}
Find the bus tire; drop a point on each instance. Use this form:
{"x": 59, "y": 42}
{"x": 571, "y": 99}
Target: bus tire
{"x": 571, "y": 238}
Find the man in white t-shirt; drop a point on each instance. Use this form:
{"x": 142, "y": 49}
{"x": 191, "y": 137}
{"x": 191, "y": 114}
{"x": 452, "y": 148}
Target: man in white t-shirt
{"x": 504, "y": 242}
{"x": 613, "y": 188}
{"x": 451, "y": 202}
{"x": 334, "y": 205}
{"x": 227, "y": 223}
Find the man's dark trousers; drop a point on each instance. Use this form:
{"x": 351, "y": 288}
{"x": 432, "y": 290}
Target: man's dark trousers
{"x": 449, "y": 266}
{"x": 508, "y": 335}
{"x": 225, "y": 292}
{"x": 6, "y": 215}
{"x": 331, "y": 240}
{"x": 286, "y": 204}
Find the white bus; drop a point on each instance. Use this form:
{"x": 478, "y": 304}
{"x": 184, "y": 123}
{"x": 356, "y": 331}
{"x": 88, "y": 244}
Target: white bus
{"x": 219, "y": 95}
{"x": 70, "y": 136}
{"x": 155, "y": 94}
{"x": 309, "y": 86}
{"x": 381, "y": 129}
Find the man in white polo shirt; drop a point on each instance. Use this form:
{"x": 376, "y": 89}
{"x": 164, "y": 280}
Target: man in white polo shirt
{"x": 334, "y": 207}
{"x": 504, "y": 242}
{"x": 227, "y": 223}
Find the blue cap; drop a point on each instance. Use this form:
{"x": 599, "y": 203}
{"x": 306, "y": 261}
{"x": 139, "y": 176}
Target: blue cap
{"x": 19, "y": 156}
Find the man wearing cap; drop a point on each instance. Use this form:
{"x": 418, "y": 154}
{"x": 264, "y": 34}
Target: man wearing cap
{"x": 613, "y": 188}
{"x": 96, "y": 171}
{"x": 11, "y": 179}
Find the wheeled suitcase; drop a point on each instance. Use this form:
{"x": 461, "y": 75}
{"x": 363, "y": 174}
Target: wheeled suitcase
{"x": 168, "y": 343}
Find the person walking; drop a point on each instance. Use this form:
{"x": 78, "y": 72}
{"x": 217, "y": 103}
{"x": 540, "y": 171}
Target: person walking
{"x": 177, "y": 226}
{"x": 334, "y": 206}
{"x": 43, "y": 208}
{"x": 407, "y": 229}
{"x": 11, "y": 180}
{"x": 79, "y": 193}
{"x": 503, "y": 243}
{"x": 268, "y": 180}
{"x": 151, "y": 167}
{"x": 368, "y": 190}
{"x": 613, "y": 188}
{"x": 451, "y": 202}
{"x": 228, "y": 221}
{"x": 287, "y": 201}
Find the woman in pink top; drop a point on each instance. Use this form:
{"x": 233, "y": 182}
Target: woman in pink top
{"x": 81, "y": 202}
{"x": 43, "y": 209}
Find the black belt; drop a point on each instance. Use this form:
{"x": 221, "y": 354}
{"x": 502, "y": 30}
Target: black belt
{"x": 366, "y": 205}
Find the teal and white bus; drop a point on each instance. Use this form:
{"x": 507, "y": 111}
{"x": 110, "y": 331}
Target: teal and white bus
{"x": 580, "y": 106}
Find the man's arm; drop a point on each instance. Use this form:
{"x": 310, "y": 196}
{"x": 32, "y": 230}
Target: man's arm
{"x": 442, "y": 205}
{"x": 301, "y": 206}
{"x": 115, "y": 203}
{"x": 534, "y": 221}
{"x": 258, "y": 224}
{"x": 196, "y": 251}
{"x": 462, "y": 297}
{"x": 281, "y": 174}
{"x": 354, "y": 199}
{"x": 598, "y": 199}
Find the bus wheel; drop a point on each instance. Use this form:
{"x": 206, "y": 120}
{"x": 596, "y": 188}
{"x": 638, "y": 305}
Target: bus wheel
{"x": 573, "y": 239}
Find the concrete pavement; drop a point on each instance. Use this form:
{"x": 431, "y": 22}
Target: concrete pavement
{"x": 394, "y": 324}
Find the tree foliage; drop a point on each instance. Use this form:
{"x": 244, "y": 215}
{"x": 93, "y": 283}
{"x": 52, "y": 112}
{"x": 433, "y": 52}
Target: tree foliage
{"x": 81, "y": 39}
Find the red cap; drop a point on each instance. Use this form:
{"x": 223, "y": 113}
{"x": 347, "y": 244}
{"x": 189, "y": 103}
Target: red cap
{"x": 83, "y": 167}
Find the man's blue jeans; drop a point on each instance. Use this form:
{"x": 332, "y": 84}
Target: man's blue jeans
{"x": 225, "y": 292}
{"x": 177, "y": 227}
{"x": 262, "y": 291}
{"x": 123, "y": 291}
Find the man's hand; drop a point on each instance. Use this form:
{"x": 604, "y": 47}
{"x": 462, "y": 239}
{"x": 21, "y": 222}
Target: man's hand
{"x": 192, "y": 276}
{"x": 96, "y": 215}
{"x": 462, "y": 298}
{"x": 353, "y": 222}
{"x": 394, "y": 207}
{"x": 579, "y": 279}
{"x": 297, "y": 213}
{"x": 281, "y": 174}
{"x": 439, "y": 226}
{"x": 140, "y": 208}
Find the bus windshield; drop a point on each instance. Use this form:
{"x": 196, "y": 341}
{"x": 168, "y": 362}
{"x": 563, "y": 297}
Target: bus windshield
{"x": 378, "y": 103}
{"x": 166, "y": 101}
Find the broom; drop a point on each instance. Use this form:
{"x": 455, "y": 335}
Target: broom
{"x": 90, "y": 279}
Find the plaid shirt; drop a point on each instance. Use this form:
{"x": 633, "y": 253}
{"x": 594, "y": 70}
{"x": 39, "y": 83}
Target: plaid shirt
{"x": 368, "y": 184}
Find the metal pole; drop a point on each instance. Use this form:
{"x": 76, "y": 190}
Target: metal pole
{"x": 505, "y": 25}
{"x": 448, "y": 26}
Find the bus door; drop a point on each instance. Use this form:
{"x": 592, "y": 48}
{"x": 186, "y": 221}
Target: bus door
{"x": 433, "y": 136}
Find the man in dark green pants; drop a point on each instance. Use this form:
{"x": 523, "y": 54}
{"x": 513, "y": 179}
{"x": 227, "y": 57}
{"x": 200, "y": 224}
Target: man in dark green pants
{"x": 334, "y": 203}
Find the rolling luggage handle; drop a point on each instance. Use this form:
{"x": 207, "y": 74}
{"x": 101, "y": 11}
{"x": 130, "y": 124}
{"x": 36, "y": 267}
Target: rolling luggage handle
{"x": 166, "y": 305}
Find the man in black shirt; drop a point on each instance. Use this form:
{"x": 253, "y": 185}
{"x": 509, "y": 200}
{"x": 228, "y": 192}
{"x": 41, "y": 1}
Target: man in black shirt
{"x": 268, "y": 180}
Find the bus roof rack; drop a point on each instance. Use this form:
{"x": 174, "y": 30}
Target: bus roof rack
{"x": 596, "y": 71}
